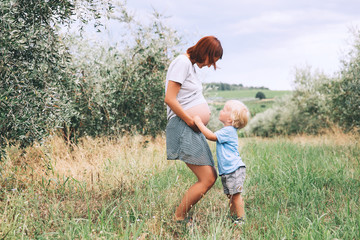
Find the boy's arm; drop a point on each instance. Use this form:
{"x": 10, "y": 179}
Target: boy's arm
{"x": 207, "y": 132}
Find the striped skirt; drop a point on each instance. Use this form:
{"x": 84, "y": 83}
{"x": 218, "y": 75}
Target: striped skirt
{"x": 184, "y": 144}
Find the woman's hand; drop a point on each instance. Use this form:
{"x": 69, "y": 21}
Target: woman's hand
{"x": 193, "y": 126}
{"x": 197, "y": 122}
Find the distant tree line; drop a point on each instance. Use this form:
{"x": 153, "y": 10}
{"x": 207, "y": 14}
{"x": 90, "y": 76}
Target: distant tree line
{"x": 229, "y": 87}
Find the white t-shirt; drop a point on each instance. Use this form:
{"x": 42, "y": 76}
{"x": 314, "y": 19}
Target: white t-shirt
{"x": 182, "y": 71}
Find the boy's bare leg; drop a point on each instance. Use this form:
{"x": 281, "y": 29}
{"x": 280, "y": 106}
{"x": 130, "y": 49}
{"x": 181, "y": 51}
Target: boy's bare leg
{"x": 206, "y": 178}
{"x": 237, "y": 205}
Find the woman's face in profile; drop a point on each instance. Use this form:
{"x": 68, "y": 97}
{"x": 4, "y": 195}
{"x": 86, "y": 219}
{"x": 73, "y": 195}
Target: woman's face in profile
{"x": 207, "y": 63}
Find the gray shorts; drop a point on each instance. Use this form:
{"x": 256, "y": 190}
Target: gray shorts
{"x": 233, "y": 182}
{"x": 185, "y": 144}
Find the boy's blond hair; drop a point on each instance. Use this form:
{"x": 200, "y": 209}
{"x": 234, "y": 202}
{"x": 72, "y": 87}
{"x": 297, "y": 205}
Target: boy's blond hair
{"x": 240, "y": 114}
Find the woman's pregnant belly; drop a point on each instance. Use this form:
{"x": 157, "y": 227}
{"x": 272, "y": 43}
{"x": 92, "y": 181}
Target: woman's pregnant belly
{"x": 202, "y": 110}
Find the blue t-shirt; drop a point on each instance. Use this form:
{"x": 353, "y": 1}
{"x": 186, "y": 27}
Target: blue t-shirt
{"x": 227, "y": 152}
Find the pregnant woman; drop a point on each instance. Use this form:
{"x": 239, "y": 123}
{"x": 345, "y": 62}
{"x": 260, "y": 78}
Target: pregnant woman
{"x": 185, "y": 100}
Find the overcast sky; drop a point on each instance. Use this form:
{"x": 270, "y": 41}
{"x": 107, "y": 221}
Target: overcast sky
{"x": 263, "y": 40}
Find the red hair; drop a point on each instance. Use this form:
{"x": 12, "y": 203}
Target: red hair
{"x": 208, "y": 46}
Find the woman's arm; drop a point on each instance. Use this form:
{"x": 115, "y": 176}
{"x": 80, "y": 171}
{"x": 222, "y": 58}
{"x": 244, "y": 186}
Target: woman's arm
{"x": 172, "y": 91}
{"x": 207, "y": 132}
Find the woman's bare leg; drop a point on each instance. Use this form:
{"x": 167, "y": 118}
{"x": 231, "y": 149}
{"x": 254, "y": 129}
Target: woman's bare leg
{"x": 206, "y": 178}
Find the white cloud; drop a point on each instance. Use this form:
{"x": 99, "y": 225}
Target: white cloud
{"x": 284, "y": 21}
{"x": 263, "y": 40}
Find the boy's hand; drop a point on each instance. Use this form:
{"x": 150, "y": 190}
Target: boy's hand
{"x": 207, "y": 133}
{"x": 197, "y": 120}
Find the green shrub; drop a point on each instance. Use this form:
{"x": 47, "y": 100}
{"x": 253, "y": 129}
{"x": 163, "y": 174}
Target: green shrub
{"x": 345, "y": 92}
{"x": 305, "y": 111}
{"x": 318, "y": 101}
{"x": 260, "y": 95}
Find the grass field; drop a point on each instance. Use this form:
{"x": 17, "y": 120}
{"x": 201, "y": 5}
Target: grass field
{"x": 217, "y": 99}
{"x": 296, "y": 188}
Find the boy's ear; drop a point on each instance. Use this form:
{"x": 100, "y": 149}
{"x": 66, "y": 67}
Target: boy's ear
{"x": 229, "y": 120}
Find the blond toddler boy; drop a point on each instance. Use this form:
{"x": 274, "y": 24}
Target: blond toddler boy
{"x": 232, "y": 170}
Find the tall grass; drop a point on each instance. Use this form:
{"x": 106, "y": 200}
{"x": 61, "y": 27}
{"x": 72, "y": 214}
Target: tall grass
{"x": 303, "y": 191}
{"x": 303, "y": 187}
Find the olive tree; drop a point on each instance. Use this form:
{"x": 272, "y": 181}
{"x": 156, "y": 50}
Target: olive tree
{"x": 121, "y": 88}
{"x": 345, "y": 93}
{"x": 34, "y": 70}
